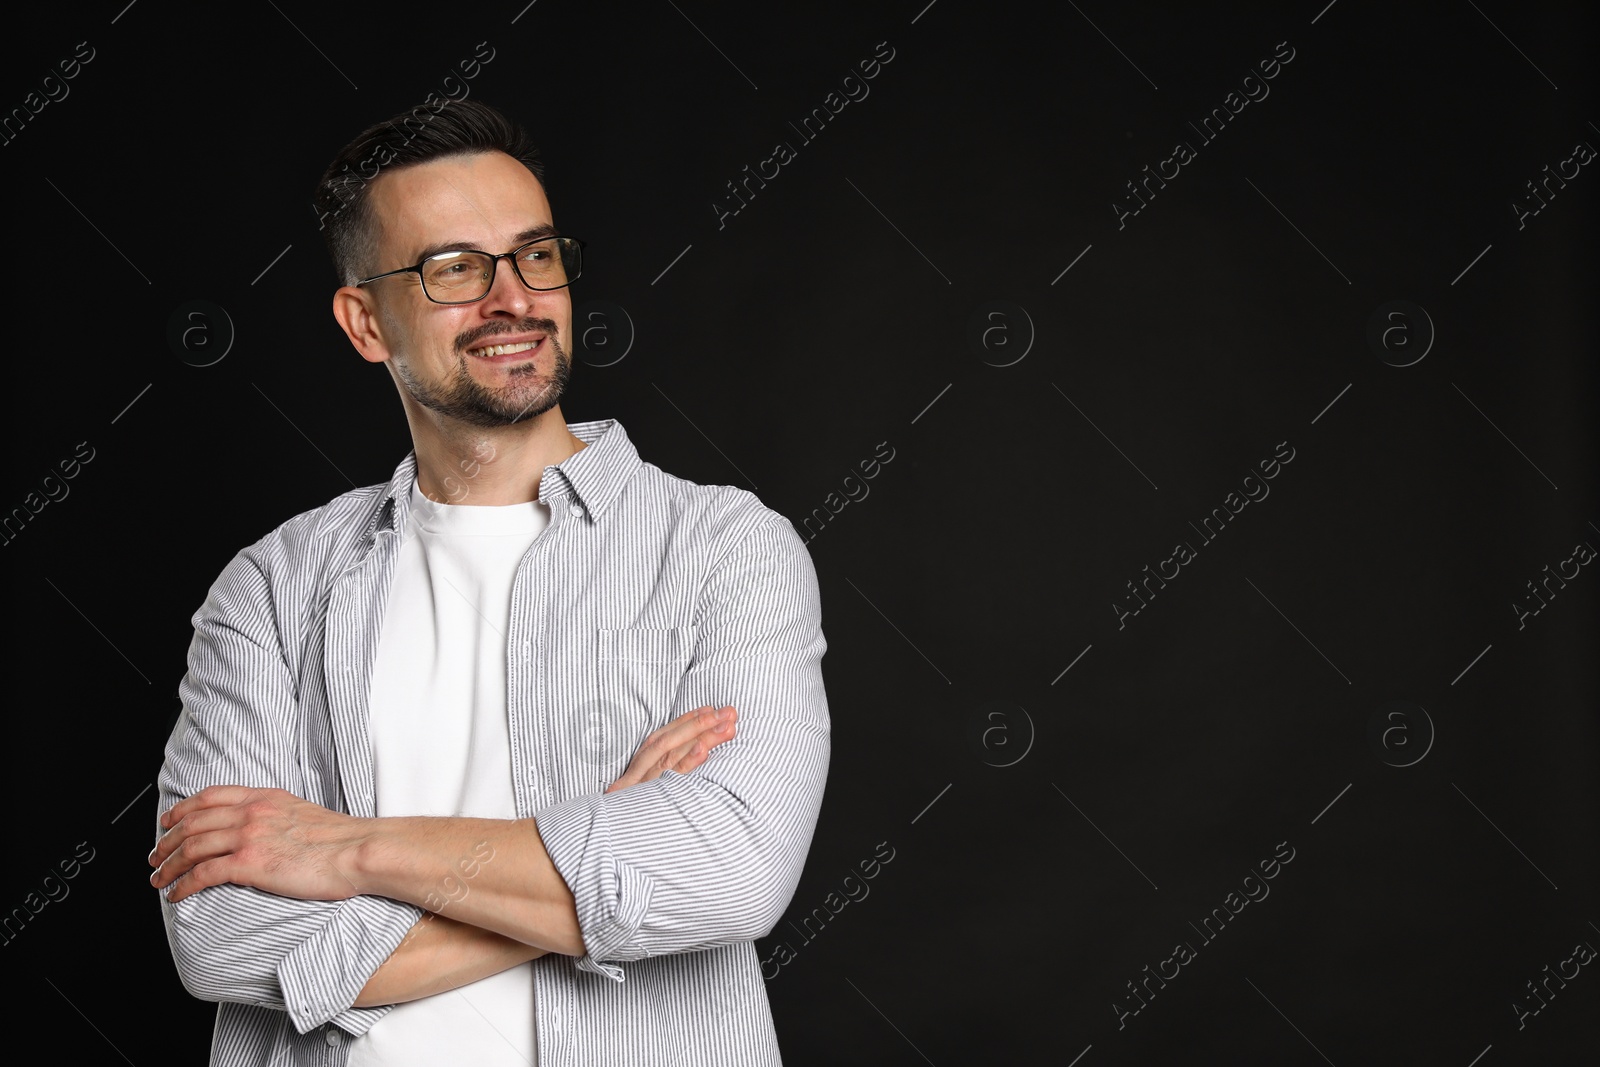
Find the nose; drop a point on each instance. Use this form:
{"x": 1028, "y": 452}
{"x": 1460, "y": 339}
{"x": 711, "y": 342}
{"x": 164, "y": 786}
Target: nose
{"x": 507, "y": 295}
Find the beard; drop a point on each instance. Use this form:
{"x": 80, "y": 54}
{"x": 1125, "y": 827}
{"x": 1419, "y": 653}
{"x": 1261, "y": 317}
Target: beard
{"x": 462, "y": 398}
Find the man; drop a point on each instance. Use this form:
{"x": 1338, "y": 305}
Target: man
{"x": 397, "y": 825}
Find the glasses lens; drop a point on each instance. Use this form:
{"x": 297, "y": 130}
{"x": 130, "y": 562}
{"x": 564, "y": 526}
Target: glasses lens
{"x": 549, "y": 264}
{"x": 452, "y": 277}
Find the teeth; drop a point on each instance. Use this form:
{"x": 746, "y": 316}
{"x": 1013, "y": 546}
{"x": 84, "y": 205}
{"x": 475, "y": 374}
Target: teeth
{"x": 503, "y": 350}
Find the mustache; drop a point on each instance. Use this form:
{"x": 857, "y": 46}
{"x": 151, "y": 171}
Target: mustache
{"x": 475, "y": 338}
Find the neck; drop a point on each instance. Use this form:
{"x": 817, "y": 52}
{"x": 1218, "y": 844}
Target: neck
{"x": 488, "y": 466}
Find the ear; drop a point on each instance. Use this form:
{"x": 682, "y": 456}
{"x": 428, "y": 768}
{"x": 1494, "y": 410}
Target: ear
{"x": 357, "y": 315}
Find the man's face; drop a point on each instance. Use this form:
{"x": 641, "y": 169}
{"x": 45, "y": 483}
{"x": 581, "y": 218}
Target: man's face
{"x": 444, "y": 355}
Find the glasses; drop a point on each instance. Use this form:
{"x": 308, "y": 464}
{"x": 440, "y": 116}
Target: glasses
{"x": 463, "y": 277}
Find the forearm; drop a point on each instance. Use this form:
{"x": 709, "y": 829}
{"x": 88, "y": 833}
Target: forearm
{"x": 493, "y": 874}
{"x": 439, "y": 955}
{"x": 235, "y": 943}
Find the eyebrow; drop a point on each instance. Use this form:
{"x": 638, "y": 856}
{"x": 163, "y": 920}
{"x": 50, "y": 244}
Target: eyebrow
{"x": 533, "y": 233}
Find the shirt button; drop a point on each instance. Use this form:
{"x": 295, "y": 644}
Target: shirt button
{"x": 576, "y": 510}
{"x": 334, "y": 1036}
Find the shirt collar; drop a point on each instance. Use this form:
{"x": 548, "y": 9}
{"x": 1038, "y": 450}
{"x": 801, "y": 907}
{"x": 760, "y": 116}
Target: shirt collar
{"x": 592, "y": 477}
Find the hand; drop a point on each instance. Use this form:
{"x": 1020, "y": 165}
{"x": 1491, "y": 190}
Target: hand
{"x": 266, "y": 838}
{"x": 681, "y": 745}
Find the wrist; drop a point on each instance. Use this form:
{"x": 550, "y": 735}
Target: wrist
{"x": 372, "y": 855}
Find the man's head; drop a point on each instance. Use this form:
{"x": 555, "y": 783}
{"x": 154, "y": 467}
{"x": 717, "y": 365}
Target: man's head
{"x": 433, "y": 183}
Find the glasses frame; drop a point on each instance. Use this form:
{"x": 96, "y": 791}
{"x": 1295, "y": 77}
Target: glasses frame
{"x": 494, "y": 268}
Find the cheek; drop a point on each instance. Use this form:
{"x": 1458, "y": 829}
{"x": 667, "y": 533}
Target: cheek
{"x": 402, "y": 332}
{"x": 429, "y": 336}
{"x": 560, "y": 312}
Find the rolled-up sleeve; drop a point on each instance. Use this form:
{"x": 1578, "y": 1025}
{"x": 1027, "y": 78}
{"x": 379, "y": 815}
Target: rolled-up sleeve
{"x": 239, "y": 726}
{"x": 693, "y": 861}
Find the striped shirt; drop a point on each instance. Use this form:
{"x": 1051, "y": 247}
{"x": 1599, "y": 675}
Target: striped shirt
{"x": 646, "y": 596}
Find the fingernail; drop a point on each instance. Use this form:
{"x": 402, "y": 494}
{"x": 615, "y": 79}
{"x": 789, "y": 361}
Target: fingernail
{"x": 725, "y": 714}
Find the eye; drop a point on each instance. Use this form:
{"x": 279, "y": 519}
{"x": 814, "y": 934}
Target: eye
{"x": 454, "y": 269}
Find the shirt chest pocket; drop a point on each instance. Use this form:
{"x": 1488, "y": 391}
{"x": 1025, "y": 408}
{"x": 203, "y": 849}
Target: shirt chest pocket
{"x": 638, "y": 671}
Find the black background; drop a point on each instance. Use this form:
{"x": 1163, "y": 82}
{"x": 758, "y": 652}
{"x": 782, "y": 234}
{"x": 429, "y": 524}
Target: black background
{"x": 833, "y": 313}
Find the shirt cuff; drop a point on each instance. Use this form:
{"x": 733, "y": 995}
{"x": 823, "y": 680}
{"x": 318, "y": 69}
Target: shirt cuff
{"x": 611, "y": 897}
{"x": 322, "y": 977}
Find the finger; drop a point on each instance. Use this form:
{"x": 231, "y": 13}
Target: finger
{"x": 711, "y": 725}
{"x": 212, "y": 872}
{"x": 683, "y": 730}
{"x": 677, "y": 735}
{"x": 200, "y": 821}
{"x": 687, "y": 757}
{"x": 209, "y": 797}
{"x": 645, "y": 766}
{"x": 671, "y": 743}
{"x": 693, "y": 758}
{"x": 183, "y": 887}
{"x": 683, "y": 759}
{"x": 194, "y": 851}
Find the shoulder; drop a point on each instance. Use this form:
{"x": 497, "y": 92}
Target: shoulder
{"x": 719, "y": 519}
{"x": 270, "y": 590}
{"x": 294, "y": 563}
{"x": 687, "y": 519}
{"x": 339, "y": 529}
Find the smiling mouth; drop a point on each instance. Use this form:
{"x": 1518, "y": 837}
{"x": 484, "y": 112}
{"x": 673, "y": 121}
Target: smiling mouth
{"x": 490, "y": 351}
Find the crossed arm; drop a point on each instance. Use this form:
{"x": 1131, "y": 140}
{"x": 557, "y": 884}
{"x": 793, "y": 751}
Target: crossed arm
{"x": 492, "y": 897}
{"x": 280, "y": 903}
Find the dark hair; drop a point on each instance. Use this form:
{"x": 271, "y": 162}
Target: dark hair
{"x": 426, "y": 132}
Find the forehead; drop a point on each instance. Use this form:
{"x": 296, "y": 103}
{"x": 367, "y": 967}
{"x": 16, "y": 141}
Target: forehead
{"x": 483, "y": 199}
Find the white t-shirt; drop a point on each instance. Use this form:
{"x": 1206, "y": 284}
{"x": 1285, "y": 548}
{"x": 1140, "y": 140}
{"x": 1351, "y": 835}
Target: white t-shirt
{"x": 442, "y": 746}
